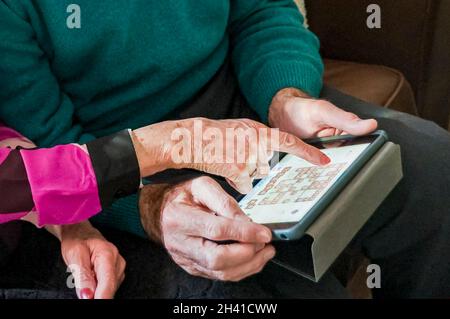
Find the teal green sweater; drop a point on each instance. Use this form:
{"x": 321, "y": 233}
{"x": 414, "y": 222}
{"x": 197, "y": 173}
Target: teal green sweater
{"x": 128, "y": 63}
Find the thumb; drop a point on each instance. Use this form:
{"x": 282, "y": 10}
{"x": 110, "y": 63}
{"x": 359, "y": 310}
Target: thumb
{"x": 80, "y": 265}
{"x": 105, "y": 269}
{"x": 348, "y": 122}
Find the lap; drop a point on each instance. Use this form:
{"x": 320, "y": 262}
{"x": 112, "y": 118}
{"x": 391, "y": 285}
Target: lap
{"x": 37, "y": 271}
{"x": 152, "y": 274}
{"x": 420, "y": 205}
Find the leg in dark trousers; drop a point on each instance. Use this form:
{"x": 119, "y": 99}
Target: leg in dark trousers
{"x": 409, "y": 235}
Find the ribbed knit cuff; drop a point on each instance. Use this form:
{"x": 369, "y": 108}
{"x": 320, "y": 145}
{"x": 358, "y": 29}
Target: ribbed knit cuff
{"x": 275, "y": 77}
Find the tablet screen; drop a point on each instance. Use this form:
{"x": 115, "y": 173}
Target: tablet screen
{"x": 293, "y": 186}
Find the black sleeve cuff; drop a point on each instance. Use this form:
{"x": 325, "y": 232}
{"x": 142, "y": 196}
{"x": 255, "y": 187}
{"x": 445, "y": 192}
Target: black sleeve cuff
{"x": 115, "y": 165}
{"x": 14, "y": 185}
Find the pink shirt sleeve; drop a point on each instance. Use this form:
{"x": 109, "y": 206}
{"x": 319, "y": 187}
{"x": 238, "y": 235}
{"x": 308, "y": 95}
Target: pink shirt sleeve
{"x": 58, "y": 183}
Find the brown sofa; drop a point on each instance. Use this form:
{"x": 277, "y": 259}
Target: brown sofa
{"x": 407, "y": 59}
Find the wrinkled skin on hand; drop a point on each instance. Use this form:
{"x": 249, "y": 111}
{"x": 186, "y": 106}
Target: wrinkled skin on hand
{"x": 295, "y": 112}
{"x": 158, "y": 148}
{"x": 195, "y": 216}
{"x": 96, "y": 264}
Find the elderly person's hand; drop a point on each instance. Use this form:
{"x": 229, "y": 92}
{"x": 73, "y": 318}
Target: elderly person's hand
{"x": 96, "y": 265}
{"x": 295, "y": 112}
{"x": 193, "y": 218}
{"x": 238, "y": 150}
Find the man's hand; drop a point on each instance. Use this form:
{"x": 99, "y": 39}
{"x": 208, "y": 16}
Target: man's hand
{"x": 296, "y": 113}
{"x": 194, "y": 218}
{"x": 237, "y": 149}
{"x": 97, "y": 266}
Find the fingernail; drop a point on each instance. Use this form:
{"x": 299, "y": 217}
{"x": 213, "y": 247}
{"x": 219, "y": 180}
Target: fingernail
{"x": 86, "y": 293}
{"x": 325, "y": 160}
{"x": 264, "y": 236}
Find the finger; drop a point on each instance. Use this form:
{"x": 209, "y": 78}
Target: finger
{"x": 263, "y": 171}
{"x": 237, "y": 175}
{"x": 197, "y": 222}
{"x": 244, "y": 270}
{"x": 209, "y": 193}
{"x": 329, "y": 131}
{"x": 263, "y": 167}
{"x": 80, "y": 264}
{"x": 236, "y": 188}
{"x": 105, "y": 271}
{"x": 219, "y": 257}
{"x": 240, "y": 179}
{"x": 120, "y": 270}
{"x": 335, "y": 117}
{"x": 211, "y": 255}
{"x": 189, "y": 266}
{"x": 288, "y": 143}
{"x": 262, "y": 159}
{"x": 255, "y": 149}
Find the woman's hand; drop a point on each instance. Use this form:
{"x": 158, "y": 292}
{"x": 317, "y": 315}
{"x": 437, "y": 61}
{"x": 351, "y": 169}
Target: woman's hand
{"x": 238, "y": 150}
{"x": 96, "y": 264}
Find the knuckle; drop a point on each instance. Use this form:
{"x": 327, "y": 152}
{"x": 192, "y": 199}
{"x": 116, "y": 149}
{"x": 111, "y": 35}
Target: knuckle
{"x": 215, "y": 261}
{"x": 215, "y": 230}
{"x": 351, "y": 116}
{"x": 76, "y": 250}
{"x": 225, "y": 202}
{"x": 287, "y": 139}
{"x": 247, "y": 122}
{"x": 308, "y": 152}
{"x": 123, "y": 264}
{"x": 169, "y": 221}
{"x": 320, "y": 103}
{"x": 113, "y": 249}
{"x": 317, "y": 107}
{"x": 104, "y": 253}
{"x": 234, "y": 173}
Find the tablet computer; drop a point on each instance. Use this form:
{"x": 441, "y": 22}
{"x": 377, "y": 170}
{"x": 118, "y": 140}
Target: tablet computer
{"x": 296, "y": 192}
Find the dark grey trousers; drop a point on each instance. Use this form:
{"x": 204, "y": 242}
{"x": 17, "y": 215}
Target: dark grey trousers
{"x": 408, "y": 236}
